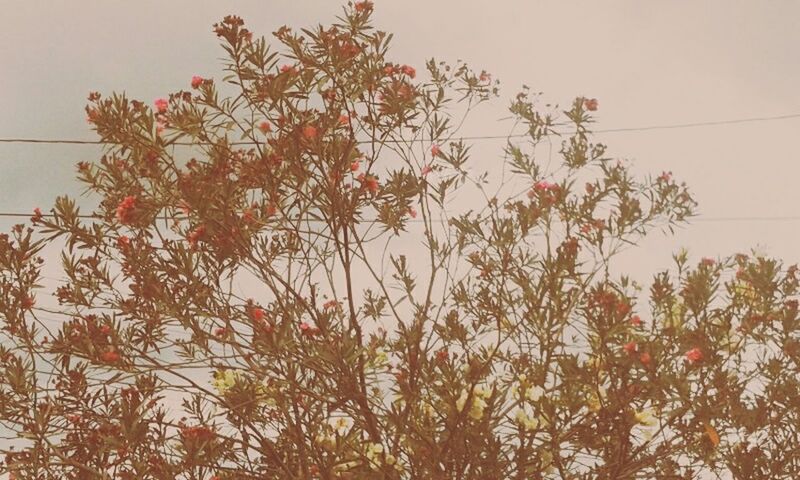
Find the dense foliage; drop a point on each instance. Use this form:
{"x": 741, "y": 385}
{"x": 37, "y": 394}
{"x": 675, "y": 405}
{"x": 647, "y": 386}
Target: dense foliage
{"x": 287, "y": 277}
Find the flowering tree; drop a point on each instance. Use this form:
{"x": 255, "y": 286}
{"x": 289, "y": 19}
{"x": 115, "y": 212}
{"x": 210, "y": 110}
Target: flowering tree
{"x": 239, "y": 304}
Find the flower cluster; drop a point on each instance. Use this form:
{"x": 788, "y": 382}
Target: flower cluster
{"x": 477, "y": 401}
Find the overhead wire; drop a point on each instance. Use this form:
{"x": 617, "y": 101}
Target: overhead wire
{"x": 472, "y": 137}
{"x": 64, "y": 141}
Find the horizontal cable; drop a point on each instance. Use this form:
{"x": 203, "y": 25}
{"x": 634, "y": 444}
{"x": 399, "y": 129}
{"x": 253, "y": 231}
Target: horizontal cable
{"x": 56, "y": 141}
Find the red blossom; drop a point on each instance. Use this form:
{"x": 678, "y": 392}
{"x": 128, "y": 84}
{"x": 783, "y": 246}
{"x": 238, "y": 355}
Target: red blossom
{"x": 410, "y": 71}
{"x": 330, "y": 304}
{"x": 91, "y": 115}
{"x": 198, "y": 433}
{"x": 125, "y": 209}
{"x": 364, "y": 6}
{"x": 257, "y": 314}
{"x": 369, "y": 182}
{"x": 264, "y": 127}
{"x": 28, "y": 302}
{"x": 272, "y": 209}
{"x": 436, "y": 150}
{"x": 161, "y": 105}
{"x": 310, "y": 132}
{"x": 694, "y": 355}
{"x": 197, "y": 81}
{"x": 636, "y": 321}
{"x": 110, "y": 356}
{"x": 544, "y": 186}
{"x": 645, "y": 358}
{"x": 630, "y": 347}
{"x": 196, "y": 234}
{"x": 123, "y": 242}
{"x": 355, "y": 166}
{"x": 590, "y": 104}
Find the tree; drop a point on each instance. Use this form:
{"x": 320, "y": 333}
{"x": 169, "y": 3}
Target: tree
{"x": 246, "y": 310}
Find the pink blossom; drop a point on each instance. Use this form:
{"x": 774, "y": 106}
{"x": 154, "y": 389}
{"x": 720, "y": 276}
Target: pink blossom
{"x": 310, "y": 132}
{"x": 412, "y": 212}
{"x": 435, "y": 150}
{"x": 543, "y": 186}
{"x": 590, "y": 104}
{"x": 197, "y": 81}
{"x": 161, "y": 105}
{"x": 125, "y": 209}
{"x": 257, "y": 314}
{"x": 330, "y": 304}
{"x": 426, "y": 170}
{"x": 363, "y": 6}
{"x": 645, "y": 358}
{"x": 694, "y": 355}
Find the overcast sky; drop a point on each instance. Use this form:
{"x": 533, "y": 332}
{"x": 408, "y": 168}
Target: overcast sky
{"x": 648, "y": 63}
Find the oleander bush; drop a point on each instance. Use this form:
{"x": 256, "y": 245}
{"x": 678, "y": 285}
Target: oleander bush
{"x": 298, "y": 271}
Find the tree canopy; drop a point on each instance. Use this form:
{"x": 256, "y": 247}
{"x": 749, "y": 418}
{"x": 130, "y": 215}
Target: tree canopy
{"x": 296, "y": 271}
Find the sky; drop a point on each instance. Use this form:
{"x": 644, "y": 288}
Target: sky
{"x": 648, "y": 63}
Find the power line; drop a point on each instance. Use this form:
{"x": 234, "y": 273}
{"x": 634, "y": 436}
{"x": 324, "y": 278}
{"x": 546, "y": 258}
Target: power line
{"x": 57, "y": 141}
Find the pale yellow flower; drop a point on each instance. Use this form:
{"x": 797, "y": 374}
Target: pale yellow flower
{"x": 478, "y": 403}
{"x": 525, "y": 420}
{"x": 224, "y": 381}
{"x": 646, "y": 417}
{"x": 374, "y": 452}
{"x": 534, "y": 393}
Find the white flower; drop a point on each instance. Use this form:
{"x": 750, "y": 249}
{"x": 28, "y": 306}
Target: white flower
{"x": 534, "y": 393}
{"x": 646, "y": 417}
{"x": 482, "y": 391}
{"x": 342, "y": 425}
{"x": 374, "y": 452}
{"x": 478, "y": 403}
{"x": 525, "y": 420}
{"x": 224, "y": 381}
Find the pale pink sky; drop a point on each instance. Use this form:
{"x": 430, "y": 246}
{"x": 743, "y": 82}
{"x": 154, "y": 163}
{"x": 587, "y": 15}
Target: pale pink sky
{"x": 648, "y": 63}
